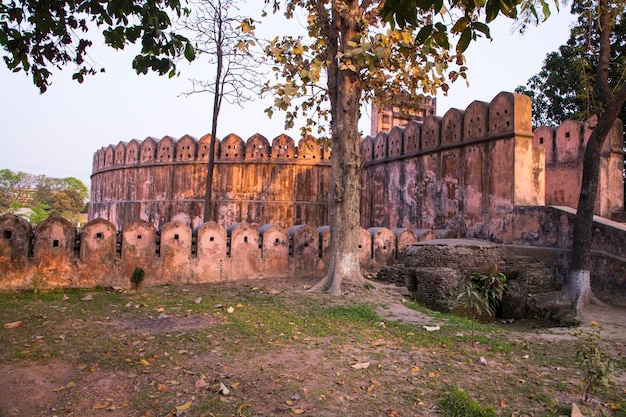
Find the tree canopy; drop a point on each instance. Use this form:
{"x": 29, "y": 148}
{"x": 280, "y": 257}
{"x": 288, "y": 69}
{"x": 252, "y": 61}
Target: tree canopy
{"x": 44, "y": 195}
{"x": 369, "y": 50}
{"x": 565, "y": 87}
{"x": 38, "y": 36}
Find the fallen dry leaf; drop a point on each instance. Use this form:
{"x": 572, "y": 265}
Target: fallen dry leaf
{"x": 184, "y": 407}
{"x": 98, "y": 406}
{"x": 201, "y": 383}
{"x": 88, "y": 297}
{"x": 144, "y": 362}
{"x": 224, "y": 389}
{"x": 297, "y": 410}
{"x": 12, "y": 325}
{"x": 361, "y": 365}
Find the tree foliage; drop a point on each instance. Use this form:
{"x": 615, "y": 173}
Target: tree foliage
{"x": 42, "y": 194}
{"x": 564, "y": 88}
{"x": 368, "y": 50}
{"x": 227, "y": 39}
{"x": 481, "y": 293}
{"x": 38, "y": 36}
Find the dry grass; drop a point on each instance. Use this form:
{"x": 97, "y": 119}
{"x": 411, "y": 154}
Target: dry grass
{"x": 278, "y": 351}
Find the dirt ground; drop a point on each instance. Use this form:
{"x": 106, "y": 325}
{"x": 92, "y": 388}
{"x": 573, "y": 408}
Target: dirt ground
{"x": 284, "y": 380}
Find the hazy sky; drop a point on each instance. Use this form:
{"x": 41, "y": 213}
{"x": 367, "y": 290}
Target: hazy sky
{"x": 58, "y": 132}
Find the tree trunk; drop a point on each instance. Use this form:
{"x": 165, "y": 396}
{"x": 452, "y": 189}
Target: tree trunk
{"x": 345, "y": 93}
{"x": 579, "y": 284}
{"x": 217, "y": 104}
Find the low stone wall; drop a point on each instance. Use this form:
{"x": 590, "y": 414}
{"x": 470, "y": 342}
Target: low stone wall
{"x": 56, "y": 255}
{"x": 432, "y": 271}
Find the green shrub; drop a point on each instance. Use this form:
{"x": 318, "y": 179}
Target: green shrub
{"x": 458, "y": 403}
{"x": 137, "y": 278}
{"x": 596, "y": 364}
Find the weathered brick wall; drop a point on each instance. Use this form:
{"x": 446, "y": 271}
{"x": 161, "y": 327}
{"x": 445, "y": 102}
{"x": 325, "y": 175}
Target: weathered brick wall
{"x": 164, "y": 180}
{"x": 466, "y": 170}
{"x": 56, "y": 255}
{"x": 565, "y": 150}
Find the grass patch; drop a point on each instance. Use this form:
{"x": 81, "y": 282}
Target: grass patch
{"x": 458, "y": 403}
{"x": 329, "y": 356}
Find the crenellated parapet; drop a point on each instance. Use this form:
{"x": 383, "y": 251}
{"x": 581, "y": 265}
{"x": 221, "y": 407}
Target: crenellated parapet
{"x": 257, "y": 148}
{"x": 159, "y": 180}
{"x": 565, "y": 152}
{"x": 464, "y": 170}
{"x": 55, "y": 254}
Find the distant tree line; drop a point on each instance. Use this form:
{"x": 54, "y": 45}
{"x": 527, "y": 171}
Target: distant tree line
{"x": 42, "y": 196}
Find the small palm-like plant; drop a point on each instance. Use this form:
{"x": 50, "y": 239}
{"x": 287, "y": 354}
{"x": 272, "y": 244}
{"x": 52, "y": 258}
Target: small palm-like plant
{"x": 481, "y": 293}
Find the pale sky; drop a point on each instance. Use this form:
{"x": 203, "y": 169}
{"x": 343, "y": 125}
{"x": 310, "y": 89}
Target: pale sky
{"x": 57, "y": 133}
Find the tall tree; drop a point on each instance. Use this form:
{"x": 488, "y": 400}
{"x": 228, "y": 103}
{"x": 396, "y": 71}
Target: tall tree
{"x": 38, "y": 36}
{"x": 606, "y": 15}
{"x": 360, "y": 56}
{"x": 585, "y": 78}
{"x": 564, "y": 88}
{"x": 226, "y": 38}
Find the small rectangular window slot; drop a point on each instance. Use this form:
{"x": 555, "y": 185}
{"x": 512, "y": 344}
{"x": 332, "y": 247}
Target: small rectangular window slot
{"x": 138, "y": 236}
{"x": 277, "y": 242}
{"x": 211, "y": 239}
{"x": 55, "y": 243}
{"x": 176, "y": 237}
{"x": 99, "y": 235}
{"x": 7, "y": 234}
{"x": 245, "y": 239}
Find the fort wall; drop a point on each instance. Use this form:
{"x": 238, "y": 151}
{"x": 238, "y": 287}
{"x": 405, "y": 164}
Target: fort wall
{"x": 56, "y": 255}
{"x": 475, "y": 173}
{"x": 164, "y": 180}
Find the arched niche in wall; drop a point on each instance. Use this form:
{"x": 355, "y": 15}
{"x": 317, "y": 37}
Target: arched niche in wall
{"x": 98, "y": 240}
{"x": 257, "y": 148}
{"x": 309, "y": 149}
{"x": 15, "y": 240}
{"x": 175, "y": 243}
{"x": 570, "y": 141}
{"x": 132, "y": 152}
{"x": 147, "y": 150}
{"x": 404, "y": 237}
{"x": 394, "y": 141}
{"x": 109, "y": 156}
{"x": 367, "y": 149}
{"x": 380, "y": 146}
{"x": 431, "y": 133}
{"x": 412, "y": 138}
{"x": 544, "y": 136}
{"x": 211, "y": 242}
{"x": 283, "y": 148}
{"x": 475, "y": 121}
{"x": 54, "y": 238}
{"x": 452, "y": 125}
{"x": 166, "y": 149}
{"x": 120, "y": 154}
{"x": 232, "y": 148}
{"x": 186, "y": 148}
{"x": 204, "y": 145}
{"x": 101, "y": 157}
{"x": 510, "y": 112}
